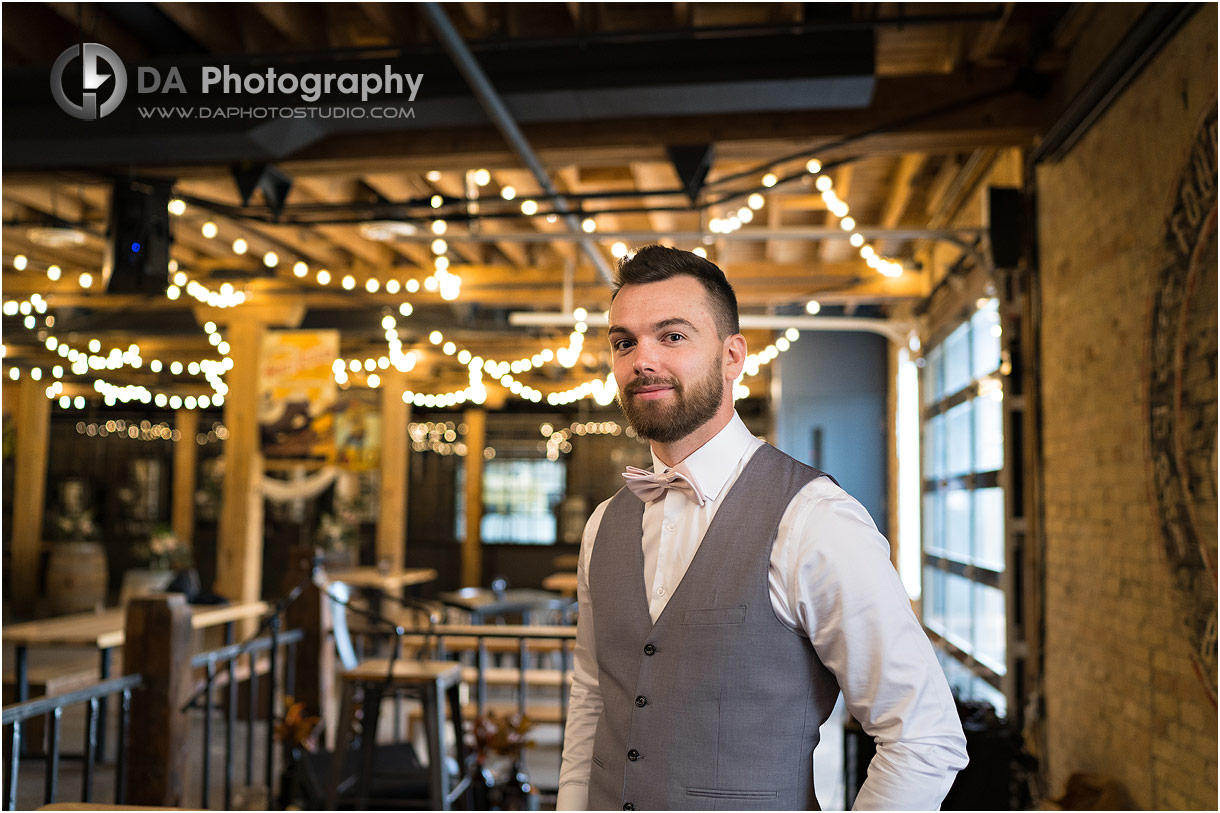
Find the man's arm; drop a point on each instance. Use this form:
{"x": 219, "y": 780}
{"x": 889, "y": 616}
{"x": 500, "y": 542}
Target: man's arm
{"x": 844, "y": 593}
{"x": 585, "y": 703}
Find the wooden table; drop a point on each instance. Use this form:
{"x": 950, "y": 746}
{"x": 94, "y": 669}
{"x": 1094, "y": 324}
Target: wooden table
{"x": 104, "y": 632}
{"x": 562, "y": 583}
{"x": 390, "y": 580}
{"x": 482, "y": 603}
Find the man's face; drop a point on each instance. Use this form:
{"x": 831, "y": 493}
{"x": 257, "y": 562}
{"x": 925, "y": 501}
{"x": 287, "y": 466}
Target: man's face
{"x": 668, "y": 359}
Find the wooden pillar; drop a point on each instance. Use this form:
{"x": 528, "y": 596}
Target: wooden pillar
{"x": 315, "y": 656}
{"x": 33, "y": 425}
{"x": 239, "y": 554}
{"x": 157, "y": 645}
{"x": 472, "y": 546}
{"x": 391, "y": 543}
{"x": 182, "y": 504}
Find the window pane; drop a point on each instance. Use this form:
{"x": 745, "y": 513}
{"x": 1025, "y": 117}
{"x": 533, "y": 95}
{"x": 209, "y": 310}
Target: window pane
{"x": 519, "y": 497}
{"x": 934, "y": 599}
{"x": 957, "y": 524}
{"x": 985, "y": 332}
{"x": 934, "y": 448}
{"x": 933, "y": 524}
{"x": 957, "y": 359}
{"x": 932, "y": 389}
{"x": 958, "y": 676}
{"x": 989, "y": 528}
{"x": 988, "y": 433}
{"x": 990, "y": 627}
{"x": 958, "y": 444}
{"x": 957, "y": 611}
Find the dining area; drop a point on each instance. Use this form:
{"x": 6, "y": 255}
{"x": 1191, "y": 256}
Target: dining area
{"x": 354, "y": 650}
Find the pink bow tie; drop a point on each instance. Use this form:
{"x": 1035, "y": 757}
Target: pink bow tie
{"x": 649, "y": 486}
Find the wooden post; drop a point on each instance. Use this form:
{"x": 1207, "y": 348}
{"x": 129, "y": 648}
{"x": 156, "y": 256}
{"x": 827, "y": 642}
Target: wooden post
{"x": 157, "y": 645}
{"x": 472, "y": 546}
{"x": 239, "y": 555}
{"x": 315, "y": 657}
{"x": 391, "y": 541}
{"x": 33, "y": 424}
{"x": 182, "y": 504}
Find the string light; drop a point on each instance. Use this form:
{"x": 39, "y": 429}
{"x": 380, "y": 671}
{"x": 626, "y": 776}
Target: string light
{"x": 441, "y": 437}
{"x": 825, "y": 184}
{"x": 144, "y": 430}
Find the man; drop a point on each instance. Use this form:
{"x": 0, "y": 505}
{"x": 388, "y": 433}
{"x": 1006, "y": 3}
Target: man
{"x": 726, "y": 599}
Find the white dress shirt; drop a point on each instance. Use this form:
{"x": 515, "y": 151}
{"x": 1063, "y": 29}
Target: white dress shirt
{"x": 830, "y": 579}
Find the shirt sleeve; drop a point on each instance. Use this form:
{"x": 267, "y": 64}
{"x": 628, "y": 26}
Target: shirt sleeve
{"x": 585, "y": 700}
{"x": 839, "y": 587}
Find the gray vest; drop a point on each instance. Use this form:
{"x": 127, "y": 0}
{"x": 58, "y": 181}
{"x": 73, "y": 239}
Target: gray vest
{"x": 717, "y": 705}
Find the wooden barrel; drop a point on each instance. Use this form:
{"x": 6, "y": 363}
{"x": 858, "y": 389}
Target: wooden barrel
{"x": 77, "y": 577}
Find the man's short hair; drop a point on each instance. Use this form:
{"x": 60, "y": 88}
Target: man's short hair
{"x": 658, "y": 263}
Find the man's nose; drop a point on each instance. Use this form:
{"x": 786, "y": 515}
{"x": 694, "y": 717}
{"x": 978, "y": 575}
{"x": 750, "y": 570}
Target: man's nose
{"x": 645, "y": 358}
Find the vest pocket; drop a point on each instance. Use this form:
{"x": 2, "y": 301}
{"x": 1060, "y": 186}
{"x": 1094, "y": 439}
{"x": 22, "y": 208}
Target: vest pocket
{"x": 716, "y": 615}
{"x": 724, "y": 793}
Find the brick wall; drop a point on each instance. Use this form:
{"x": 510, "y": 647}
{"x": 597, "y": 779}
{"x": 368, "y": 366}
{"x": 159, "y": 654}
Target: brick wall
{"x": 1123, "y": 697}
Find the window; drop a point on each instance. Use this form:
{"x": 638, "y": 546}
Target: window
{"x": 964, "y": 550}
{"x": 519, "y": 499}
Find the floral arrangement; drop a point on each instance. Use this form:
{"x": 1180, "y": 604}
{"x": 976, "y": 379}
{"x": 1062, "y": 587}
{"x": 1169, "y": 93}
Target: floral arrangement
{"x": 164, "y": 550}
{"x": 505, "y": 736}
{"x": 74, "y": 526}
{"x": 296, "y": 728}
{"x": 340, "y": 530}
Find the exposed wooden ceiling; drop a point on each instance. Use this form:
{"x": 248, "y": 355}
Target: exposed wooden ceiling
{"x": 950, "y": 84}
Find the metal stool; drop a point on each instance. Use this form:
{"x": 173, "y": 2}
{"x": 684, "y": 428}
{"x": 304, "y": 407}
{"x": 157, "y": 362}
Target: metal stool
{"x": 430, "y": 681}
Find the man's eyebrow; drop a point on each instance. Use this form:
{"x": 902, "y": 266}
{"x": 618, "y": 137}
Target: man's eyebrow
{"x": 656, "y": 327}
{"x": 675, "y": 321}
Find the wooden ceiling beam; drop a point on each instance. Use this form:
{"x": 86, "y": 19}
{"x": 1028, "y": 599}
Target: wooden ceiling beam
{"x": 210, "y": 24}
{"x": 303, "y": 31}
{"x": 101, "y": 27}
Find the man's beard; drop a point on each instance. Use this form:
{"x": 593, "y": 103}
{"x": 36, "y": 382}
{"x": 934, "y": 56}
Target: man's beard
{"x": 667, "y": 423}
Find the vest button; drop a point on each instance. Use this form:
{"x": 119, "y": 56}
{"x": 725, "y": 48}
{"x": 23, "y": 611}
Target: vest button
{"x": 633, "y": 755}
{"x": 649, "y": 649}
{"x": 641, "y": 701}
{"x": 629, "y": 806}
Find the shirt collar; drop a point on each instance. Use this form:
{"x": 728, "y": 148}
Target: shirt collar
{"x": 711, "y": 465}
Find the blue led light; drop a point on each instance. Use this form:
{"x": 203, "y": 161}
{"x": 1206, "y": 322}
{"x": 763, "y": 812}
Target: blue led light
{"x": 135, "y": 248}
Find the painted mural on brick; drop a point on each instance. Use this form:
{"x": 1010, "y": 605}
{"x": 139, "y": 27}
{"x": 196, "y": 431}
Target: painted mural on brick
{"x": 1182, "y": 397}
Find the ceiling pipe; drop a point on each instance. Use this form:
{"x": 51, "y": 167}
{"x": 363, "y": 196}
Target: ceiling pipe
{"x": 784, "y": 233}
{"x": 506, "y": 124}
{"x": 894, "y": 330}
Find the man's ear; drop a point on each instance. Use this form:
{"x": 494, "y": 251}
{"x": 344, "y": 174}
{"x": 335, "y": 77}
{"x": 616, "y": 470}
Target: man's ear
{"x": 734, "y": 356}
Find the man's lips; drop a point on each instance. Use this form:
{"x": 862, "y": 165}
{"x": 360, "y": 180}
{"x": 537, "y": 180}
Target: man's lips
{"x": 652, "y": 392}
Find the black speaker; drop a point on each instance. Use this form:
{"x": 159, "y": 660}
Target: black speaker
{"x": 137, "y": 238}
{"x": 1005, "y": 225}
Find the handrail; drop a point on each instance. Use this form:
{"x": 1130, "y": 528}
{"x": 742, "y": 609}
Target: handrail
{"x": 231, "y": 651}
{"x": 18, "y": 712}
{"x": 93, "y": 698}
{"x": 497, "y": 630}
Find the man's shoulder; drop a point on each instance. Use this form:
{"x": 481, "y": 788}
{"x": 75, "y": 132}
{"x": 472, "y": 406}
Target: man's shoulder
{"x": 798, "y": 468}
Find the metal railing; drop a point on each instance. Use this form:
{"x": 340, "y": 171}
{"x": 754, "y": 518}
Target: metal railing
{"x": 228, "y": 657}
{"x": 94, "y": 697}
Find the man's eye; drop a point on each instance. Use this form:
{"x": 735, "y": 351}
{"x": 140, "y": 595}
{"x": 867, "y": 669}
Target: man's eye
{"x": 674, "y": 337}
{"x": 622, "y": 344}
